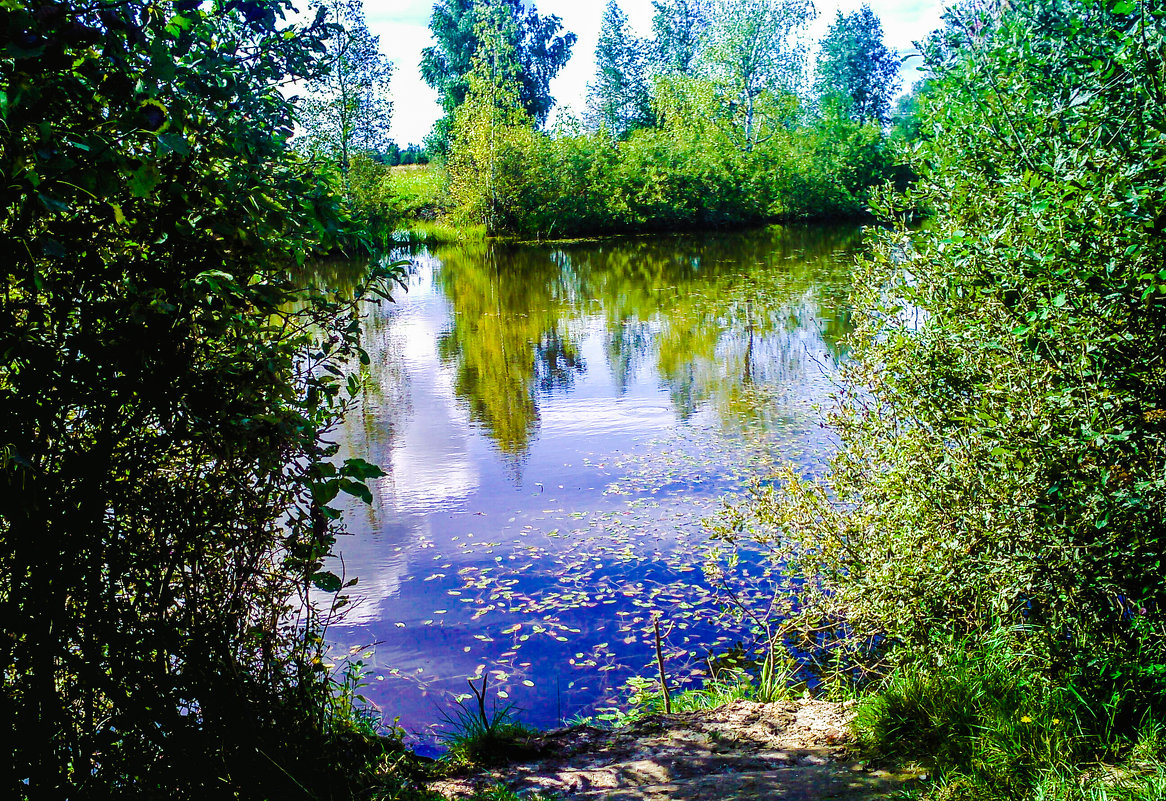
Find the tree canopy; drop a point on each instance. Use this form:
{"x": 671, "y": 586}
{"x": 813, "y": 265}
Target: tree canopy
{"x": 856, "y": 69}
{"x": 679, "y": 27}
{"x": 539, "y": 51}
{"x": 753, "y": 56}
{"x": 347, "y": 109}
{"x": 620, "y": 97}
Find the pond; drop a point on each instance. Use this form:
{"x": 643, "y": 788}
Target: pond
{"x": 556, "y": 422}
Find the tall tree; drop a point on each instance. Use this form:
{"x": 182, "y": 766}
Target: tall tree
{"x": 753, "y": 55}
{"x": 620, "y": 98}
{"x": 347, "y": 110}
{"x": 539, "y": 47}
{"x": 679, "y": 27}
{"x": 856, "y": 69}
{"x": 490, "y": 128}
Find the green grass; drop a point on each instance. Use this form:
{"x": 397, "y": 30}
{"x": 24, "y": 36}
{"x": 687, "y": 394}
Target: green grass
{"x": 475, "y": 736}
{"x": 439, "y": 232}
{"x": 989, "y": 722}
{"x": 419, "y": 192}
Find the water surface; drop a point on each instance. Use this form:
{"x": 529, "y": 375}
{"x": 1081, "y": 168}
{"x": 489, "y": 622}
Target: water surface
{"x": 556, "y": 422}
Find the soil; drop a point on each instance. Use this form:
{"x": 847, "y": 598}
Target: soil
{"x": 789, "y": 751}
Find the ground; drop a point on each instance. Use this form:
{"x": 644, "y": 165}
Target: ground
{"x": 789, "y": 751}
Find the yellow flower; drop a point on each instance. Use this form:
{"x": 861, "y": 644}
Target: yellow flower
{"x": 1056, "y": 721}
{"x": 1026, "y": 719}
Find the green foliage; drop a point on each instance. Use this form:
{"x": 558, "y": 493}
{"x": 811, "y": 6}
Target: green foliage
{"x": 726, "y": 685}
{"x": 988, "y": 721}
{"x": 1004, "y": 457}
{"x": 728, "y": 144}
{"x": 855, "y": 69}
{"x": 989, "y": 710}
{"x": 480, "y": 737}
{"x": 679, "y": 28}
{"x": 165, "y": 385}
{"x": 492, "y": 134}
{"x": 1002, "y": 438}
{"x": 418, "y": 192}
{"x": 753, "y": 57}
{"x": 347, "y": 110}
{"x": 619, "y": 99}
{"x": 533, "y": 42}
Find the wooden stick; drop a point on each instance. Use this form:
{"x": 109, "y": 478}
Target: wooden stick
{"x": 660, "y": 664}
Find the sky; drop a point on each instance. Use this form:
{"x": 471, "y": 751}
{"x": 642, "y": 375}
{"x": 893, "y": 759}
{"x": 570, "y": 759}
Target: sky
{"x": 403, "y": 28}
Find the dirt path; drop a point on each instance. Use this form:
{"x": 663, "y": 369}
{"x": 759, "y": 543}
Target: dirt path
{"x": 794, "y": 751}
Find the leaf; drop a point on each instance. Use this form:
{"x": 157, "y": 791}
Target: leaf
{"x": 144, "y": 180}
{"x": 359, "y": 468}
{"x": 327, "y": 581}
{"x": 51, "y": 203}
{"x": 356, "y": 489}
{"x": 174, "y": 143}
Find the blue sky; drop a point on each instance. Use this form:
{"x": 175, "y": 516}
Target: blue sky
{"x": 403, "y": 28}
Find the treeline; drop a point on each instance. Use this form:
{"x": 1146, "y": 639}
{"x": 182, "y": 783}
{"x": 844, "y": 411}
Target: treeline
{"x": 709, "y": 123}
{"x": 716, "y": 120}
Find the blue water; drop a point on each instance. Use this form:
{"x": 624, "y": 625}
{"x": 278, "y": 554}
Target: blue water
{"x": 556, "y": 423}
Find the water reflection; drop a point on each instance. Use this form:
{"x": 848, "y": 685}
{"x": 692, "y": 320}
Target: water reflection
{"x": 556, "y": 422}
{"x": 714, "y": 316}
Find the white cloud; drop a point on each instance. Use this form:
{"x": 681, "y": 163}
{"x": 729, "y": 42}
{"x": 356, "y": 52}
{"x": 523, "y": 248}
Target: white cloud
{"x": 403, "y": 28}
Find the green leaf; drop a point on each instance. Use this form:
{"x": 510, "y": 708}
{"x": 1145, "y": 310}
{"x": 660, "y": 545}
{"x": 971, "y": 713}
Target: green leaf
{"x": 360, "y": 469}
{"x": 356, "y": 489}
{"x": 144, "y": 180}
{"x": 174, "y": 143}
{"x": 328, "y": 582}
{"x": 325, "y": 491}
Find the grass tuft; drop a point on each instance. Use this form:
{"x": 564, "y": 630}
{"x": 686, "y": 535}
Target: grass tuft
{"x": 478, "y": 737}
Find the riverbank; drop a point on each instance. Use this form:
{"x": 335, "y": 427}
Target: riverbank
{"x": 801, "y": 749}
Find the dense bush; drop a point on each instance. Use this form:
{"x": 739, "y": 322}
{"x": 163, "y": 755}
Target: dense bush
{"x": 1004, "y": 440}
{"x": 704, "y": 161}
{"x": 164, "y": 387}
{"x": 1003, "y": 426}
{"x": 670, "y": 177}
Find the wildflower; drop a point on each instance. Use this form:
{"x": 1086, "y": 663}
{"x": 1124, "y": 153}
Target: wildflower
{"x": 1026, "y": 719}
{"x": 1056, "y": 721}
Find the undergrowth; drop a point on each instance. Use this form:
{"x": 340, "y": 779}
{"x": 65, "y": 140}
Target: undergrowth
{"x": 993, "y": 720}
{"x": 476, "y": 736}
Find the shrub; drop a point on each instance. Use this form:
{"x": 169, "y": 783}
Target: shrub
{"x": 164, "y": 388}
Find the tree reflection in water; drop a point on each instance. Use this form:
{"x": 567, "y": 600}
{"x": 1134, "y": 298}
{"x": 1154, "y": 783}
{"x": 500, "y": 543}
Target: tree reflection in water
{"x": 718, "y": 316}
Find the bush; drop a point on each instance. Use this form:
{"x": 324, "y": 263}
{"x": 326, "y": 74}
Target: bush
{"x": 1004, "y": 427}
{"x": 164, "y": 388}
{"x": 1003, "y": 421}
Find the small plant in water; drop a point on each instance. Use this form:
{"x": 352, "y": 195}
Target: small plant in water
{"x": 479, "y": 737}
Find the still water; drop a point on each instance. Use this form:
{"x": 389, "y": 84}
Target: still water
{"x": 556, "y": 423}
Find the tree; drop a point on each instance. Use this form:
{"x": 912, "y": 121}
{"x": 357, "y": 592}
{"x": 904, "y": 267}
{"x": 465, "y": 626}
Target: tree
{"x": 539, "y": 51}
{"x": 679, "y": 27}
{"x": 347, "y": 109}
{"x": 620, "y": 98}
{"x": 165, "y": 385}
{"x": 752, "y": 58}
{"x": 855, "y": 68}
{"x": 492, "y": 134}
